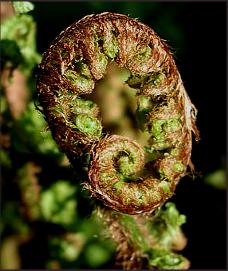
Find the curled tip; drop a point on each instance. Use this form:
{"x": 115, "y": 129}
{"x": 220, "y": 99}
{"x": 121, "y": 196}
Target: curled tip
{"x": 114, "y": 175}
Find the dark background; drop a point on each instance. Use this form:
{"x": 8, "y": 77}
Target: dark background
{"x": 196, "y": 32}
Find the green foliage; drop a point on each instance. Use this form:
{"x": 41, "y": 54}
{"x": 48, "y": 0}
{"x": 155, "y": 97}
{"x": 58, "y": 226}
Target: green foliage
{"x": 136, "y": 236}
{"x": 10, "y": 53}
{"x": 164, "y": 259}
{"x": 58, "y": 203}
{"x": 155, "y": 237}
{"x": 66, "y": 250}
{"x": 30, "y": 134}
{"x": 20, "y": 29}
{"x": 5, "y": 159}
{"x": 217, "y": 179}
{"x": 166, "y": 225}
{"x": 166, "y": 229}
{"x": 22, "y": 6}
{"x": 96, "y": 255}
{"x": 11, "y": 219}
{"x": 85, "y": 243}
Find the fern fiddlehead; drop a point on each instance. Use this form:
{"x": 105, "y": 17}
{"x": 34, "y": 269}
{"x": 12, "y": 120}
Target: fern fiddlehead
{"x": 126, "y": 176}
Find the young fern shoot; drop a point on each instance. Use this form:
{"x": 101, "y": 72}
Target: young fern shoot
{"x": 118, "y": 173}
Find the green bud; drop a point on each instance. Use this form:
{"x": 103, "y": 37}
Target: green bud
{"x": 88, "y": 125}
{"x": 125, "y": 166}
{"x": 172, "y": 125}
{"x": 81, "y": 106}
{"x": 178, "y": 167}
{"x": 111, "y": 47}
{"x": 165, "y": 186}
{"x": 102, "y": 62}
{"x": 144, "y": 103}
{"x": 118, "y": 185}
{"x": 80, "y": 81}
{"x": 156, "y": 78}
{"x": 144, "y": 54}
